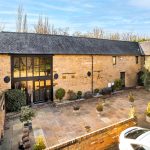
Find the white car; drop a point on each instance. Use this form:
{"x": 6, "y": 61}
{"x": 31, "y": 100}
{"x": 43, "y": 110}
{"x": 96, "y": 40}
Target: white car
{"x": 135, "y": 138}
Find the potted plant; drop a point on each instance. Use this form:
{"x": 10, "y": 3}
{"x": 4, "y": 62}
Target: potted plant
{"x": 60, "y": 93}
{"x": 131, "y": 98}
{"x": 88, "y": 128}
{"x": 40, "y": 144}
{"x": 79, "y": 94}
{"x": 76, "y": 107}
{"x": 148, "y": 113}
{"x": 99, "y": 108}
{"x": 26, "y": 116}
{"x": 96, "y": 92}
{"x": 132, "y": 112}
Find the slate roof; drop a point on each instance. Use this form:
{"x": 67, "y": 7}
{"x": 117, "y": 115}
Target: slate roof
{"x": 31, "y": 43}
{"x": 145, "y": 46}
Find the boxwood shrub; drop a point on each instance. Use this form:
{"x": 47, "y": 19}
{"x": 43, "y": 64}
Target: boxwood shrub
{"x": 60, "y": 93}
{"x": 15, "y": 99}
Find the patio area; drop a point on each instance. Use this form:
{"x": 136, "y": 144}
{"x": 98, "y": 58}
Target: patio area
{"x": 59, "y": 124}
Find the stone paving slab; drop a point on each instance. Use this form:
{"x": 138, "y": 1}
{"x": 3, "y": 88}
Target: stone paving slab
{"x": 61, "y": 123}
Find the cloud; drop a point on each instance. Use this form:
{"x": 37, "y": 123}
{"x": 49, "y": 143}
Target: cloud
{"x": 140, "y": 3}
{"x": 59, "y": 8}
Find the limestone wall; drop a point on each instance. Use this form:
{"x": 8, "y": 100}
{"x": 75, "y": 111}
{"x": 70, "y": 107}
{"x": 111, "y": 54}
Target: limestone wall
{"x": 5, "y": 70}
{"x": 72, "y": 71}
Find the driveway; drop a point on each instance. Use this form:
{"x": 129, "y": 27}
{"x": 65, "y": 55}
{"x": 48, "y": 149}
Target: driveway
{"x": 61, "y": 123}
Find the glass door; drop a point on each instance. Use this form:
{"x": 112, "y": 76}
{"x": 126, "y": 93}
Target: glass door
{"x": 122, "y": 78}
{"x": 39, "y": 91}
{"x": 42, "y": 90}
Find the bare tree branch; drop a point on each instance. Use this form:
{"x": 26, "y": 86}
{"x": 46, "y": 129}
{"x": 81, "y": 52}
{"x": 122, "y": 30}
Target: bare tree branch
{"x": 21, "y": 20}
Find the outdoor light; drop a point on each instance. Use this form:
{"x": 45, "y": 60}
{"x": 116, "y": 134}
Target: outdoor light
{"x": 7, "y": 79}
{"x": 55, "y": 76}
{"x": 88, "y": 73}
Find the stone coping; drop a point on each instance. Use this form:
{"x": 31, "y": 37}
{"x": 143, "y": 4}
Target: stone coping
{"x": 91, "y": 134}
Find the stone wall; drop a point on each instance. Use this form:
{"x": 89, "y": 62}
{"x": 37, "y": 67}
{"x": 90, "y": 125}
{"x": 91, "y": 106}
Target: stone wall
{"x": 5, "y": 70}
{"x": 98, "y": 140}
{"x": 147, "y": 62}
{"x": 72, "y": 71}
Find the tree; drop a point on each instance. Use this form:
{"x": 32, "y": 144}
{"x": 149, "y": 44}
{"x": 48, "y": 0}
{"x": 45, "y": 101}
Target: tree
{"x": 44, "y": 27}
{"x": 21, "y": 20}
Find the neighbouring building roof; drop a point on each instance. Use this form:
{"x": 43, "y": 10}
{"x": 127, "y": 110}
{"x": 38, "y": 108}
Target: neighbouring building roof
{"x": 31, "y": 43}
{"x": 145, "y": 46}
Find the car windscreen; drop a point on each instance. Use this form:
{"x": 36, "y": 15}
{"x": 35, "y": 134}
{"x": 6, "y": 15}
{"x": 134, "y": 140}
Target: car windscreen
{"x": 133, "y": 134}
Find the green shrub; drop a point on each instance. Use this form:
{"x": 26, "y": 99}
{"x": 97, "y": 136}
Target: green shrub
{"x": 27, "y": 114}
{"x": 88, "y": 94}
{"x": 146, "y": 79}
{"x": 71, "y": 95}
{"x": 60, "y": 93}
{"x": 15, "y": 99}
{"x": 79, "y": 94}
{"x": 117, "y": 85}
{"x": 96, "y": 91}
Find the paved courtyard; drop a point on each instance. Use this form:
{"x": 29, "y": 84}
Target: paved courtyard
{"x": 61, "y": 123}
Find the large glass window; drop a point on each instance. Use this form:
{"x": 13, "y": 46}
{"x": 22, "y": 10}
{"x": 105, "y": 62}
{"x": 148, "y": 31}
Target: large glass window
{"x": 31, "y": 66}
{"x": 32, "y": 74}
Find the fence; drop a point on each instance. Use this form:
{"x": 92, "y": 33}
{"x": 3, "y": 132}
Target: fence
{"x": 98, "y": 140}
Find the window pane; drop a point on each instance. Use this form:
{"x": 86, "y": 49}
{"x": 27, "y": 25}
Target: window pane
{"x": 23, "y": 66}
{"x": 23, "y": 86}
{"x": 29, "y": 67}
{"x": 48, "y": 66}
{"x": 16, "y": 67}
{"x": 42, "y": 66}
{"x": 36, "y": 66}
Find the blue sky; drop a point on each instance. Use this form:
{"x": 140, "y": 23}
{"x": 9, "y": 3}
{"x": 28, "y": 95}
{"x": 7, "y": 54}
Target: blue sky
{"x": 82, "y": 15}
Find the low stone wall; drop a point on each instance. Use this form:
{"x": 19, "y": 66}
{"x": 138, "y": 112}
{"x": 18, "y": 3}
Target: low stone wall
{"x": 2, "y": 114}
{"x": 100, "y": 139}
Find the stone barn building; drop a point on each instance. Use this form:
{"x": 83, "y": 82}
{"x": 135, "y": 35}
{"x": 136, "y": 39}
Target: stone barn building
{"x": 43, "y": 63}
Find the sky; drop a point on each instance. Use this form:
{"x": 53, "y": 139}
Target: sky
{"x": 82, "y": 15}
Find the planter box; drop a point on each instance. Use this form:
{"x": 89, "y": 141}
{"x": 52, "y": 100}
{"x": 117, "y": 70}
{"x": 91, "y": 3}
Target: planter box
{"x": 148, "y": 119}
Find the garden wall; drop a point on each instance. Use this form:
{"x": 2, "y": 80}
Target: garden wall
{"x": 97, "y": 140}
